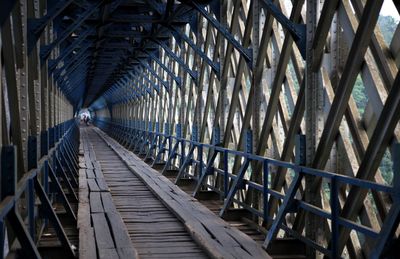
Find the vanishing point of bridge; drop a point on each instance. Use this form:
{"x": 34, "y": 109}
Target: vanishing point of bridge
{"x": 199, "y": 129}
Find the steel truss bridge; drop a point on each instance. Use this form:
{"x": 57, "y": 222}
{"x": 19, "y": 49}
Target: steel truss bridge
{"x": 223, "y": 129}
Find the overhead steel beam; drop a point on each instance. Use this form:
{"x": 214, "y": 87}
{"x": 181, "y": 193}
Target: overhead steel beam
{"x": 78, "y": 56}
{"x": 46, "y": 50}
{"x": 36, "y": 26}
{"x": 53, "y": 63}
{"x": 159, "y": 8}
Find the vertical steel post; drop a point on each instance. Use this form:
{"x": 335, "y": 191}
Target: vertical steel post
{"x": 265, "y": 191}
{"x": 313, "y": 119}
{"x": 8, "y": 182}
{"x": 226, "y": 171}
{"x": 31, "y": 208}
{"x": 335, "y": 212}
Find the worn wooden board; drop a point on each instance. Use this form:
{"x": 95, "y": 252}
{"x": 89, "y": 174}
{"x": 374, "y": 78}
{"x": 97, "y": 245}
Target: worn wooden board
{"x": 108, "y": 203}
{"x": 96, "y": 205}
{"x": 83, "y": 220}
{"x": 102, "y": 232}
{"x": 109, "y": 253}
{"x": 144, "y": 217}
{"x": 120, "y": 234}
{"x": 87, "y": 244}
{"x": 102, "y": 184}
{"x": 214, "y": 234}
{"x": 109, "y": 236}
{"x": 128, "y": 253}
{"x": 90, "y": 173}
{"x": 93, "y": 187}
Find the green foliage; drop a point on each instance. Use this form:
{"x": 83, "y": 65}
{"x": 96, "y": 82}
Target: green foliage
{"x": 359, "y": 95}
{"x": 386, "y": 167}
{"x": 388, "y": 25}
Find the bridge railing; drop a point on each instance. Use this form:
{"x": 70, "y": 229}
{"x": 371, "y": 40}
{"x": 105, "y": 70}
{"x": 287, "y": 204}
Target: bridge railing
{"x": 211, "y": 167}
{"x": 19, "y": 197}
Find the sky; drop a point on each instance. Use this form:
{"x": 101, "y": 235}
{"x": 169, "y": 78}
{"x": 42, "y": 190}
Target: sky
{"x": 388, "y": 9}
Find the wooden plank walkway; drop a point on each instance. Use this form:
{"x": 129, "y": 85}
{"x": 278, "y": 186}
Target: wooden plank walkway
{"x": 102, "y": 233}
{"x": 153, "y": 230}
{"x": 162, "y": 220}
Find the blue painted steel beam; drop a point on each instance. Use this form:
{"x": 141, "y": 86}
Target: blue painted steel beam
{"x": 69, "y": 83}
{"x": 192, "y": 74}
{"x": 129, "y": 84}
{"x": 122, "y": 95}
{"x": 159, "y": 8}
{"x": 298, "y": 31}
{"x": 246, "y": 53}
{"x": 137, "y": 84}
{"x": 73, "y": 88}
{"x": 75, "y": 58}
{"x": 122, "y": 34}
{"x": 152, "y": 31}
{"x": 154, "y": 85}
{"x": 76, "y": 43}
{"x": 134, "y": 83}
{"x": 36, "y": 26}
{"x": 215, "y": 66}
{"x": 46, "y": 50}
{"x": 138, "y": 19}
{"x": 143, "y": 76}
{"x": 126, "y": 95}
{"x": 79, "y": 56}
{"x": 154, "y": 73}
{"x": 177, "y": 79}
{"x": 140, "y": 87}
{"x": 70, "y": 67}
{"x": 78, "y": 69}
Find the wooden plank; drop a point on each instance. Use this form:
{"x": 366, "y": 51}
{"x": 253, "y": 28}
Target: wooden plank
{"x": 87, "y": 247}
{"x": 120, "y": 233}
{"x": 96, "y": 205}
{"x": 83, "y": 196}
{"x": 108, "y": 253}
{"x": 93, "y": 187}
{"x": 102, "y": 233}
{"x": 102, "y": 185}
{"x": 108, "y": 203}
{"x": 96, "y": 165}
{"x": 90, "y": 173}
{"x": 82, "y": 173}
{"x": 144, "y": 206}
{"x": 83, "y": 221}
{"x": 211, "y": 232}
{"x": 127, "y": 253}
{"x": 83, "y": 183}
{"x": 98, "y": 173}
